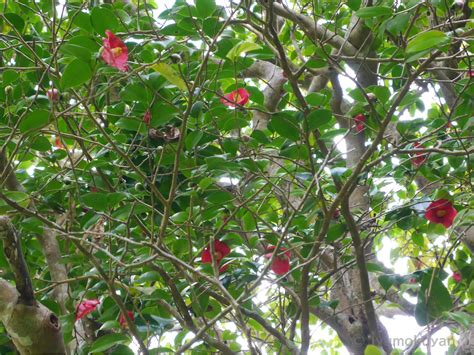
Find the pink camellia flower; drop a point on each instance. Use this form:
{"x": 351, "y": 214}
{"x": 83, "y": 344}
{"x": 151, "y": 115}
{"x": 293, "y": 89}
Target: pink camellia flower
{"x": 86, "y": 307}
{"x": 235, "y": 98}
{"x": 115, "y": 52}
{"x": 53, "y": 95}
{"x": 147, "y": 117}
{"x": 456, "y": 276}
{"x": 221, "y": 250}
{"x": 412, "y": 280}
{"x": 441, "y": 211}
{"x": 123, "y": 321}
{"x": 470, "y": 73}
{"x": 419, "y": 158}
{"x": 281, "y": 262}
{"x": 360, "y": 122}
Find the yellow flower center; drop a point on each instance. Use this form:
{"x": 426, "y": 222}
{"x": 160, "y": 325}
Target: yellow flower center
{"x": 217, "y": 255}
{"x": 116, "y": 51}
{"x": 441, "y": 213}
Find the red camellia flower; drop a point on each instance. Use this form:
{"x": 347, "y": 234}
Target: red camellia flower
{"x": 123, "y": 321}
{"x": 419, "y": 158}
{"x": 237, "y": 97}
{"x": 412, "y": 280}
{"x": 58, "y": 144}
{"x": 221, "y": 250}
{"x": 456, "y": 276}
{"x": 53, "y": 95}
{"x": 441, "y": 211}
{"x": 281, "y": 263}
{"x": 470, "y": 73}
{"x": 147, "y": 117}
{"x": 360, "y": 122}
{"x": 86, "y": 307}
{"x": 114, "y": 51}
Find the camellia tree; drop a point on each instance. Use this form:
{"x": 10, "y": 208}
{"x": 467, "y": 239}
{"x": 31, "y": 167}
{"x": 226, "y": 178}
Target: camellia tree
{"x": 219, "y": 177}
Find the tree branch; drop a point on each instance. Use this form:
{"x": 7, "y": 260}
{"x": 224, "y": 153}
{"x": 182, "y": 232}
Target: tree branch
{"x": 16, "y": 260}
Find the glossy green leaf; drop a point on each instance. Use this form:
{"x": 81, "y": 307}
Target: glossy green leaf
{"x": 170, "y": 74}
{"x": 205, "y": 8}
{"x": 354, "y": 4}
{"x": 433, "y": 299}
{"x": 318, "y": 118}
{"x": 41, "y": 144}
{"x": 34, "y": 120}
{"x": 16, "y": 20}
{"x": 426, "y": 40}
{"x": 103, "y": 19}
{"x": 373, "y": 11}
{"x": 242, "y": 48}
{"x": 372, "y": 350}
{"x": 286, "y": 126}
{"x": 107, "y": 341}
{"x": 76, "y": 73}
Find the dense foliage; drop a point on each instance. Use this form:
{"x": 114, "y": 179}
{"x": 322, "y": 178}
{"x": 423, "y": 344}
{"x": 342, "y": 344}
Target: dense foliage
{"x": 225, "y": 174}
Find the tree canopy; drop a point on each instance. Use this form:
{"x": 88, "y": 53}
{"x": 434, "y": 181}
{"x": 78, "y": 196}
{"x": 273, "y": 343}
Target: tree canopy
{"x": 223, "y": 176}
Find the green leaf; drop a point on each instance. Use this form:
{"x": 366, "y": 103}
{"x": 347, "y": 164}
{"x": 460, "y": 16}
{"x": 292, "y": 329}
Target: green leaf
{"x": 372, "y": 350}
{"x": 162, "y": 113}
{"x": 386, "y": 281}
{"x": 21, "y": 198}
{"x": 336, "y": 231}
{"x": 318, "y": 118}
{"x": 95, "y": 200}
{"x": 373, "y": 11}
{"x": 426, "y": 40}
{"x": 242, "y": 48}
{"x": 398, "y": 23}
{"x": 354, "y": 4}
{"x": 465, "y": 319}
{"x": 315, "y": 99}
{"x": 41, "y": 144}
{"x": 316, "y": 63}
{"x": 205, "y": 8}
{"x": 76, "y": 73}
{"x": 192, "y": 139}
{"x": 382, "y": 93}
{"x": 130, "y": 124}
{"x": 431, "y": 306}
{"x": 76, "y": 51}
{"x": 103, "y": 19}
{"x": 219, "y": 197}
{"x": 170, "y": 74}
{"x": 107, "y": 341}
{"x": 34, "y": 121}
{"x": 211, "y": 26}
{"x": 83, "y": 21}
{"x": 286, "y": 126}
{"x": 135, "y": 92}
{"x": 10, "y": 76}
{"x": 114, "y": 198}
{"x": 374, "y": 267}
{"x": 16, "y": 21}
{"x": 150, "y": 276}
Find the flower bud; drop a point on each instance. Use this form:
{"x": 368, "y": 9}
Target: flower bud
{"x": 8, "y": 90}
{"x": 53, "y": 95}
